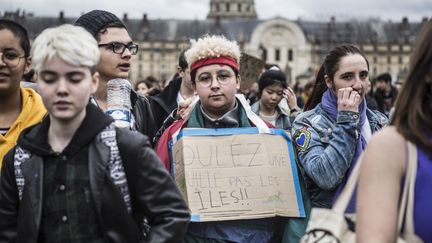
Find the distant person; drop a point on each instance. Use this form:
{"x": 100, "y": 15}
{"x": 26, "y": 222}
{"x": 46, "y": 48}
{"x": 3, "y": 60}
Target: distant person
{"x": 146, "y": 88}
{"x": 117, "y": 49}
{"x": 307, "y": 92}
{"x": 142, "y": 87}
{"x": 19, "y": 107}
{"x": 385, "y": 93}
{"x": 336, "y": 125}
{"x": 180, "y": 89}
{"x": 75, "y": 177}
{"x": 273, "y": 88}
{"x": 253, "y": 93}
{"x": 385, "y": 161}
{"x": 370, "y": 100}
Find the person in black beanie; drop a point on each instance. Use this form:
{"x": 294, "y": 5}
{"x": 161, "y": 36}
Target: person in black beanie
{"x": 117, "y": 49}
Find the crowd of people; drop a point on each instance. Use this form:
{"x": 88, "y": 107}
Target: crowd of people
{"x": 68, "y": 174}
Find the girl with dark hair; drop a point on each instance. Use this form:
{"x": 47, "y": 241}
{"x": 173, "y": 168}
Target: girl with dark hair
{"x": 19, "y": 107}
{"x": 385, "y": 159}
{"x": 336, "y": 126}
{"x": 273, "y": 88}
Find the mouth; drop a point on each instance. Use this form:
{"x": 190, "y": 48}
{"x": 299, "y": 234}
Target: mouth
{"x": 124, "y": 67}
{"x": 216, "y": 96}
{"x": 4, "y": 75}
{"x": 62, "y": 103}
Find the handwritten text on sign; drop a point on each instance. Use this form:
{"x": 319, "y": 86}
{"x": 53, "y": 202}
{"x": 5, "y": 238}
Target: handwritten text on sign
{"x": 236, "y": 177}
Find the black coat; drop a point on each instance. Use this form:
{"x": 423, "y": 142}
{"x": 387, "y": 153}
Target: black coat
{"x": 152, "y": 190}
{"x": 144, "y": 115}
{"x": 165, "y": 102}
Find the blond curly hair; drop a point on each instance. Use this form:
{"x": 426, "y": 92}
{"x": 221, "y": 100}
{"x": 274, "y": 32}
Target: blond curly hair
{"x": 212, "y": 46}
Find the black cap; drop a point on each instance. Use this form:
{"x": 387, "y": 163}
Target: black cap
{"x": 96, "y": 20}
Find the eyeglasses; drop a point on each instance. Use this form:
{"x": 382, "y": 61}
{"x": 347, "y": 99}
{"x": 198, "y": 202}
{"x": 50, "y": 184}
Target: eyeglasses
{"x": 222, "y": 78}
{"x": 119, "y": 48}
{"x": 11, "y": 59}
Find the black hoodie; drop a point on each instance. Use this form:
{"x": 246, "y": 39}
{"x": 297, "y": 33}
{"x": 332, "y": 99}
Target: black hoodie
{"x": 35, "y": 138}
{"x": 68, "y": 169}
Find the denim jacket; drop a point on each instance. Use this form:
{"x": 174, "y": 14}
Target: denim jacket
{"x": 326, "y": 148}
{"x": 284, "y": 119}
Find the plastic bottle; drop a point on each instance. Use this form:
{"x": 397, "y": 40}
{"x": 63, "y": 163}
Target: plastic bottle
{"x": 118, "y": 102}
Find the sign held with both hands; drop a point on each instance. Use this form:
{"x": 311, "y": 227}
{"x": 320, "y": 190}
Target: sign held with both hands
{"x": 230, "y": 174}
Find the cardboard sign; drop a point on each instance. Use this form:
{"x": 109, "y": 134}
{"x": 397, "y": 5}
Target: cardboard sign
{"x": 230, "y": 174}
{"x": 250, "y": 69}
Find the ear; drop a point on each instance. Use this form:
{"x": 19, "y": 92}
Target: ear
{"x": 95, "y": 82}
{"x": 27, "y": 66}
{"x": 238, "y": 80}
{"x": 180, "y": 71}
{"x": 329, "y": 83}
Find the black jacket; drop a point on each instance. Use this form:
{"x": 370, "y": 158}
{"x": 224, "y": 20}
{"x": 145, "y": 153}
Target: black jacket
{"x": 153, "y": 193}
{"x": 144, "y": 116}
{"x": 165, "y": 102}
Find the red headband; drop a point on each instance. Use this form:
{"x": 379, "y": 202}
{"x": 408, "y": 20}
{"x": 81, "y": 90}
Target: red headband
{"x": 223, "y": 60}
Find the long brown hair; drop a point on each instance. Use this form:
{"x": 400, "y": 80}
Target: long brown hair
{"x": 413, "y": 112}
{"x": 329, "y": 68}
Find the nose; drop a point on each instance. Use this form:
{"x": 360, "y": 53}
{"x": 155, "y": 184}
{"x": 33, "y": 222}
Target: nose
{"x": 357, "y": 83}
{"x": 127, "y": 53}
{"x": 214, "y": 82}
{"x": 62, "y": 88}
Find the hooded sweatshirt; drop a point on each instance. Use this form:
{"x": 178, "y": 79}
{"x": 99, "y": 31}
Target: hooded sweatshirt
{"x": 66, "y": 185}
{"x": 32, "y": 112}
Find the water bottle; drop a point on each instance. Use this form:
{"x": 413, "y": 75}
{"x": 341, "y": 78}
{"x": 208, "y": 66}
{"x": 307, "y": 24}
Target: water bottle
{"x": 118, "y": 102}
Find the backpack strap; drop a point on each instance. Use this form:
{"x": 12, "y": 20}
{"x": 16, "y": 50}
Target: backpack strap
{"x": 20, "y": 157}
{"x": 115, "y": 164}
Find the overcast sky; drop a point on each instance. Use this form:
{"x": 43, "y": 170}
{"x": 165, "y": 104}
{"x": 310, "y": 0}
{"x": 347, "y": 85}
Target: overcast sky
{"x": 198, "y": 9}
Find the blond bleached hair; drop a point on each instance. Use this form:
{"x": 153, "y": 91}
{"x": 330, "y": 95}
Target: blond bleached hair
{"x": 72, "y": 44}
{"x": 212, "y": 46}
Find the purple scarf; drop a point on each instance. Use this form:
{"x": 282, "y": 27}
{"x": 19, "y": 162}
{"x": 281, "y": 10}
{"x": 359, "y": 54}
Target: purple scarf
{"x": 329, "y": 105}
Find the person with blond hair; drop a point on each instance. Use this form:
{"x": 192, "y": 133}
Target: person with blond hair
{"x": 385, "y": 161}
{"x": 214, "y": 70}
{"x": 75, "y": 177}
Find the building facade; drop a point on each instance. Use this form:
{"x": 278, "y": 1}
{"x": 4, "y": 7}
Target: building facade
{"x": 297, "y": 46}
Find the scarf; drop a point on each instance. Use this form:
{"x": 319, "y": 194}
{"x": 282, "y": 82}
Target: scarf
{"x": 198, "y": 119}
{"x": 329, "y": 105}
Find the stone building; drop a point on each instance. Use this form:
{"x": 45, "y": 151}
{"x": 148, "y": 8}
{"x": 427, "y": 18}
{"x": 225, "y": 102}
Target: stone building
{"x": 297, "y": 46}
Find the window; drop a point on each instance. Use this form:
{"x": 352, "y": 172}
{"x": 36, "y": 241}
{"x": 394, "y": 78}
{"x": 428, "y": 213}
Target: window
{"x": 217, "y": 7}
{"x": 389, "y": 59}
{"x": 277, "y": 55}
{"x": 239, "y": 7}
{"x": 375, "y": 59}
{"x": 290, "y": 55}
{"x": 400, "y": 60}
{"x": 227, "y": 7}
{"x": 264, "y": 54}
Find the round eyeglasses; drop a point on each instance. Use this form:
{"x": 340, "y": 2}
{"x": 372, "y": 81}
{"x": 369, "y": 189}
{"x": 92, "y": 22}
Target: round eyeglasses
{"x": 206, "y": 79}
{"x": 11, "y": 59}
{"x": 119, "y": 48}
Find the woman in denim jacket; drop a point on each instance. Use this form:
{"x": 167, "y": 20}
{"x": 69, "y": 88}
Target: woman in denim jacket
{"x": 336, "y": 125}
{"x": 273, "y": 88}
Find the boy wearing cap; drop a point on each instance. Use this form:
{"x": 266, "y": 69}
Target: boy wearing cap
{"x": 214, "y": 66}
{"x": 75, "y": 177}
{"x": 116, "y": 50}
